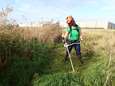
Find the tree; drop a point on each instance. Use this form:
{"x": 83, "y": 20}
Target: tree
{"x": 4, "y": 15}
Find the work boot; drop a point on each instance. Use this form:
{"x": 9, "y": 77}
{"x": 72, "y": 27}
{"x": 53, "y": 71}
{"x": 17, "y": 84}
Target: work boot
{"x": 66, "y": 59}
{"x": 81, "y": 61}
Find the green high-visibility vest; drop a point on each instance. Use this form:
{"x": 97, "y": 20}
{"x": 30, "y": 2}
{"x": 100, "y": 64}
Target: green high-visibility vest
{"x": 74, "y": 33}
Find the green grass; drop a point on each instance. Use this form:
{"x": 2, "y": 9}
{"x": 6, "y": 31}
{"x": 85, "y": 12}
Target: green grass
{"x": 88, "y": 74}
{"x": 95, "y": 52}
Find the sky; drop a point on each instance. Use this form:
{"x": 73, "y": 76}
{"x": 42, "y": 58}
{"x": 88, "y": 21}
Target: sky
{"x": 41, "y": 10}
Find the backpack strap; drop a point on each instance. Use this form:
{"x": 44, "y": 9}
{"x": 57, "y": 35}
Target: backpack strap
{"x": 78, "y": 29}
{"x": 70, "y": 29}
{"x": 75, "y": 29}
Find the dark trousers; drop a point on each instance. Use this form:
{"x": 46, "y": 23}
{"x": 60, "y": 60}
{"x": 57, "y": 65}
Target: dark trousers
{"x": 77, "y": 49}
{"x": 78, "y": 52}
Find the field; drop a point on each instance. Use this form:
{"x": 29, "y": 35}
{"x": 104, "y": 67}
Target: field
{"x": 34, "y": 57}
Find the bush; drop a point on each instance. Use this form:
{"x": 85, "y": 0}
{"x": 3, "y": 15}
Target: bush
{"x": 20, "y": 70}
{"x": 18, "y": 73}
{"x": 24, "y": 58}
{"x": 9, "y": 44}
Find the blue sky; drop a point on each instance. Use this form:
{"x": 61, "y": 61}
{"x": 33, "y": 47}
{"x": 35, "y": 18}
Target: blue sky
{"x": 38, "y": 10}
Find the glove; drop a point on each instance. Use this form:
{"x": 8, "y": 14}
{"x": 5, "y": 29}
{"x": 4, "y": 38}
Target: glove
{"x": 66, "y": 45}
{"x": 63, "y": 40}
{"x": 81, "y": 38}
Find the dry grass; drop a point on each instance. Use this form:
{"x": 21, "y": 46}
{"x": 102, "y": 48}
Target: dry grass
{"x": 98, "y": 39}
{"x": 43, "y": 34}
{"x": 101, "y": 37}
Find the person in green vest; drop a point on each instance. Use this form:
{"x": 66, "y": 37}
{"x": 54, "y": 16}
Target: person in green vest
{"x": 73, "y": 36}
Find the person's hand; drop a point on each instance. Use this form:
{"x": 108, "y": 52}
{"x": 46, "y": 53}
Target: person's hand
{"x": 63, "y": 40}
{"x": 81, "y": 38}
{"x": 65, "y": 44}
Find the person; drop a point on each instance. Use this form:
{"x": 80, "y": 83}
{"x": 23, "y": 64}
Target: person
{"x": 72, "y": 36}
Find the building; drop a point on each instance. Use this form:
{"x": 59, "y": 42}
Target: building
{"x": 111, "y": 25}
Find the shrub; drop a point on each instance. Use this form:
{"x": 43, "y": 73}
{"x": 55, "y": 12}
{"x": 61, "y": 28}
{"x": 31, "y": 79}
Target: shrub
{"x": 19, "y": 70}
{"x": 23, "y": 59}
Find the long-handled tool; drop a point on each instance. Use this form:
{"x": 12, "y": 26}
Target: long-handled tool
{"x": 66, "y": 46}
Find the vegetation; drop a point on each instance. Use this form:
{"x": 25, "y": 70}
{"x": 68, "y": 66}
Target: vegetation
{"x": 29, "y": 62}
